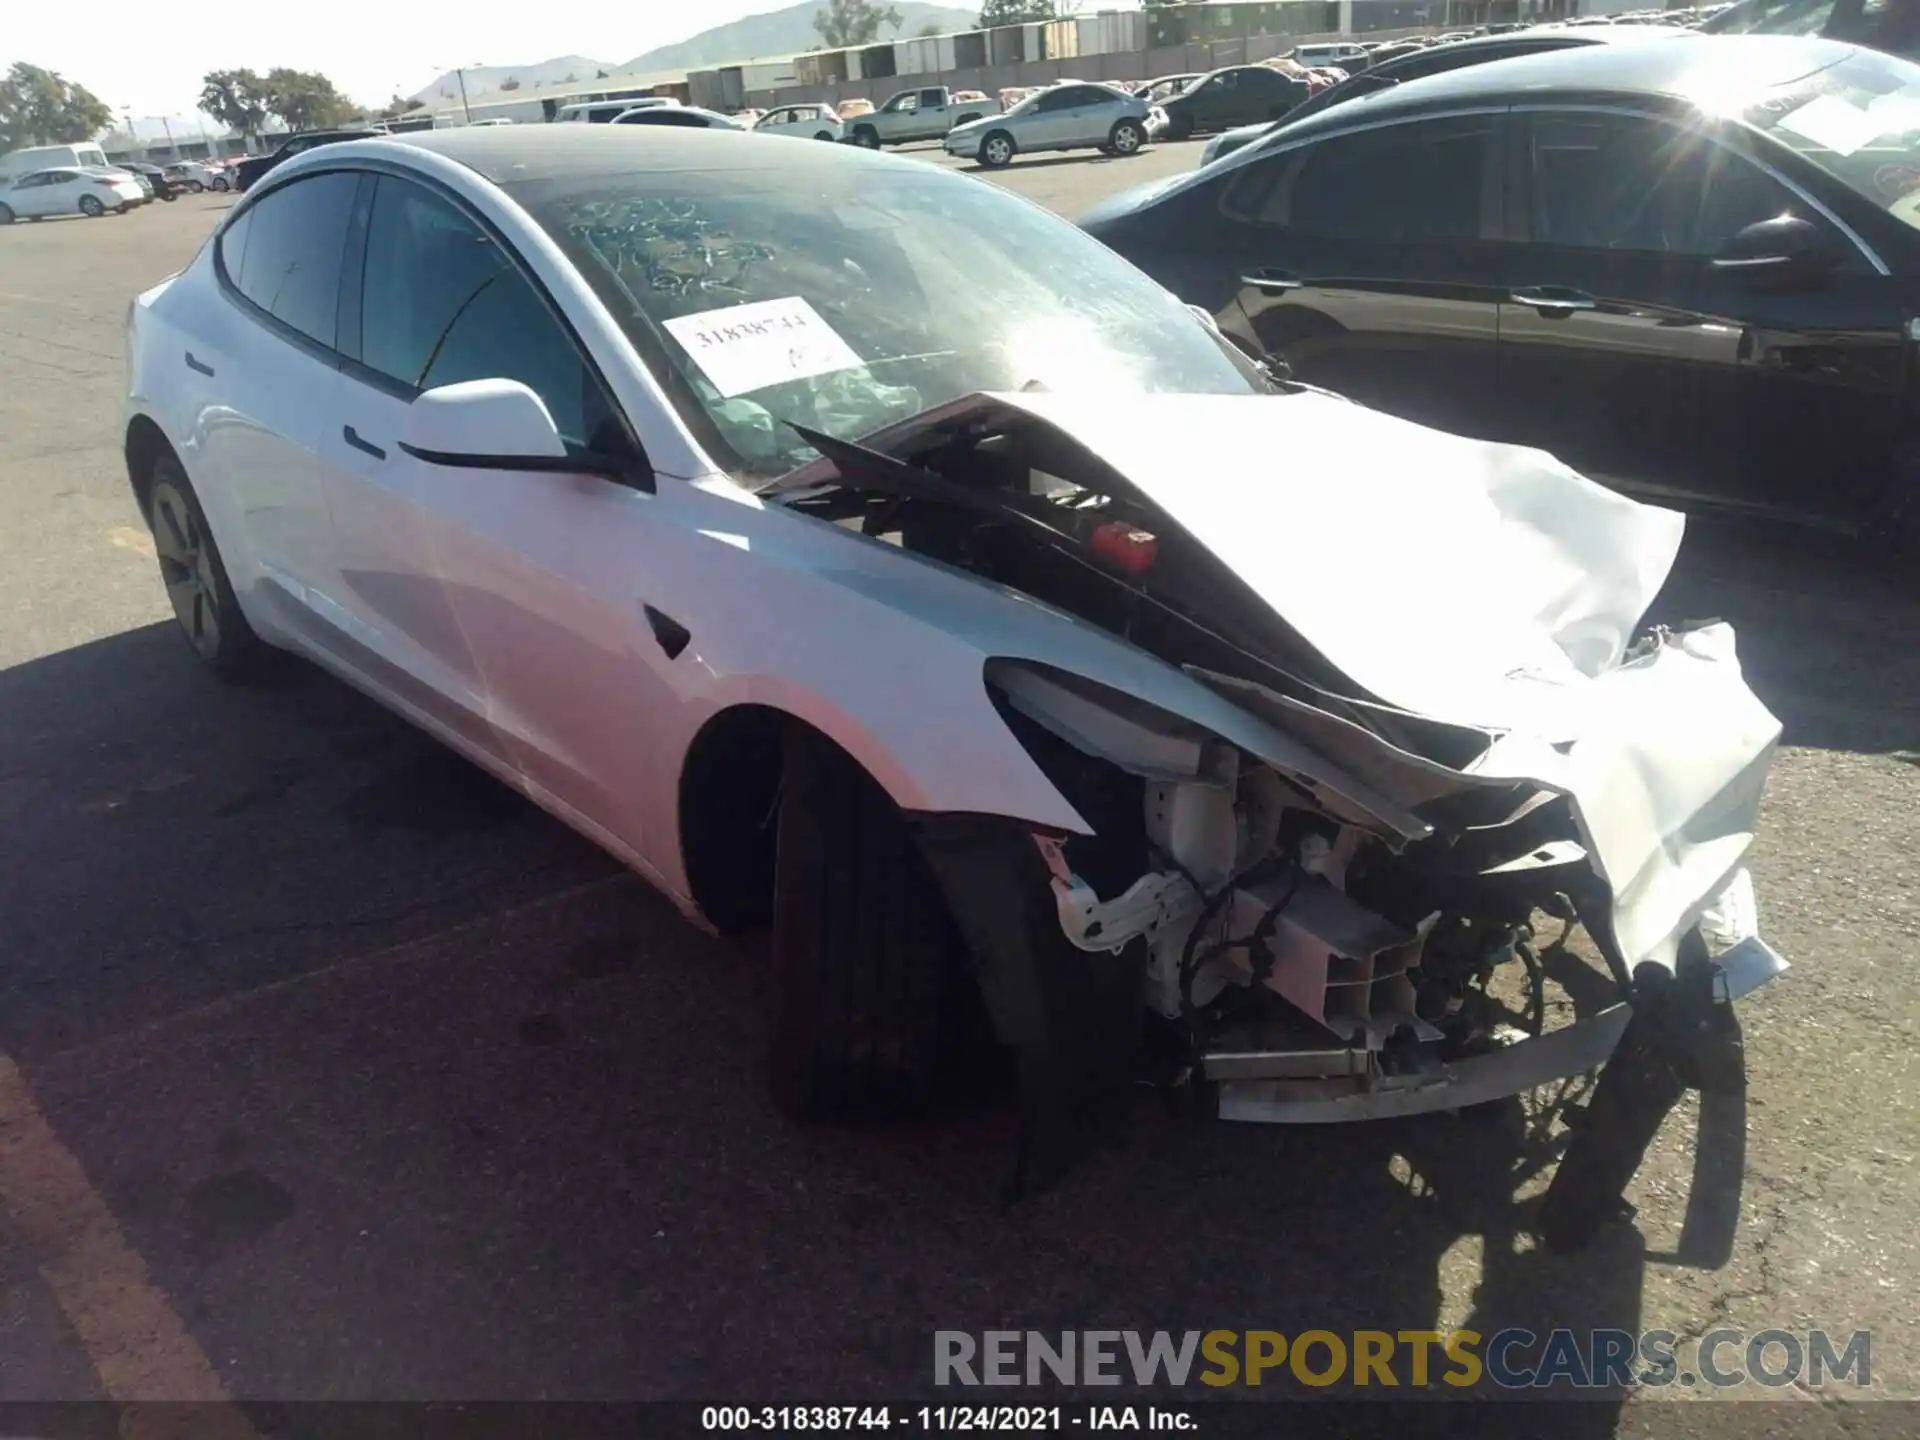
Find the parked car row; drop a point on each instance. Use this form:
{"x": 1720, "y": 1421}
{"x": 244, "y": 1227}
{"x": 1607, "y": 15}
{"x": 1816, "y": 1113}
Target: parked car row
{"x": 1425, "y": 60}
{"x": 69, "y": 190}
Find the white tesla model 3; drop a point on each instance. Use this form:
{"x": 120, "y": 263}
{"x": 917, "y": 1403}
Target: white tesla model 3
{"x": 851, "y": 544}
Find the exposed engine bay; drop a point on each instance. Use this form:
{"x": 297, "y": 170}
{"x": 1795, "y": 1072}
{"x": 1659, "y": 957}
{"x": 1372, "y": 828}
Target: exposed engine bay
{"x": 1316, "y": 889}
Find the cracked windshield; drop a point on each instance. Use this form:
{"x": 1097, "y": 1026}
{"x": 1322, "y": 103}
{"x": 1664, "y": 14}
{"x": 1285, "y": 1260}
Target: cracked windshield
{"x": 888, "y": 294}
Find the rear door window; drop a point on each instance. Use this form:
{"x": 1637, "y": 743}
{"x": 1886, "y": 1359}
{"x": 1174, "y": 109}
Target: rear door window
{"x": 289, "y": 252}
{"x": 1427, "y": 182}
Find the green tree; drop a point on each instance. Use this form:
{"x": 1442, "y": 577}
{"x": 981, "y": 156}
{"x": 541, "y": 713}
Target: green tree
{"x": 304, "y": 99}
{"x": 396, "y": 107}
{"x": 235, "y": 98}
{"x": 38, "y": 107}
{"x": 1018, "y": 12}
{"x": 842, "y": 23}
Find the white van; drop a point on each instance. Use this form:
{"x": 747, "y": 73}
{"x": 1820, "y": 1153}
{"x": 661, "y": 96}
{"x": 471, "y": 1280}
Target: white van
{"x": 16, "y": 163}
{"x": 602, "y": 112}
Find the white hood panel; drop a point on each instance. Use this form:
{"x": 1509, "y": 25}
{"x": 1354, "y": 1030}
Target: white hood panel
{"x": 1483, "y": 585}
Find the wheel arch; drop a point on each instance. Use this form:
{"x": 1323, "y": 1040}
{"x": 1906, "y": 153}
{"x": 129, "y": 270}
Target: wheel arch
{"x": 730, "y": 778}
{"x": 146, "y": 444}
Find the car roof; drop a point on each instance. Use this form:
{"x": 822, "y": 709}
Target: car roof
{"x": 679, "y": 110}
{"x": 1659, "y": 66}
{"x": 505, "y": 153}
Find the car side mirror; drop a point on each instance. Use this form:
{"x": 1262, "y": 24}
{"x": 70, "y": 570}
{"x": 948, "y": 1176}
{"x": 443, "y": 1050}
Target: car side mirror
{"x": 501, "y": 425}
{"x": 1785, "y": 246}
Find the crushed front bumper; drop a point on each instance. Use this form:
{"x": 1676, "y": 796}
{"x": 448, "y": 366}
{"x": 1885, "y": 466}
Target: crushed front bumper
{"x": 1570, "y": 1050}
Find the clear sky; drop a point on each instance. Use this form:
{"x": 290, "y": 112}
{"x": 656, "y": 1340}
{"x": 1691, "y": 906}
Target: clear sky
{"x": 149, "y": 60}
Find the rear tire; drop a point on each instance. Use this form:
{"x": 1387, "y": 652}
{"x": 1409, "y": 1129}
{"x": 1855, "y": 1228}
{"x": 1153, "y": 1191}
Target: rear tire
{"x": 194, "y": 187}
{"x": 219, "y": 185}
{"x": 91, "y": 207}
{"x": 824, "y": 135}
{"x": 864, "y": 951}
{"x": 6, "y": 215}
{"x": 196, "y": 579}
{"x": 1126, "y": 138}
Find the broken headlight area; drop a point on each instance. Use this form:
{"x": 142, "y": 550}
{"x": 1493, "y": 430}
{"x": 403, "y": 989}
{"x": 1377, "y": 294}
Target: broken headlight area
{"x": 1305, "y": 969}
{"x": 1329, "y": 805}
{"x": 1280, "y": 942}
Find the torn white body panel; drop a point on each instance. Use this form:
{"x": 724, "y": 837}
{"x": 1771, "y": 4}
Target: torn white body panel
{"x": 1483, "y": 586}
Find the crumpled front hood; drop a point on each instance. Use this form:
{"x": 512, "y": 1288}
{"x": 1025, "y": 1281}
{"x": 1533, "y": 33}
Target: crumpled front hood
{"x": 1485, "y": 586}
{"x": 1482, "y": 585}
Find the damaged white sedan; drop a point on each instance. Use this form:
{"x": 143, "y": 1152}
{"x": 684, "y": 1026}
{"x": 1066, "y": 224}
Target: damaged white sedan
{"x": 853, "y": 546}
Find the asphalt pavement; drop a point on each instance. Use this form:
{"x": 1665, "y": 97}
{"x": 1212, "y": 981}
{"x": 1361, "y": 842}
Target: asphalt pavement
{"x": 329, "y": 1069}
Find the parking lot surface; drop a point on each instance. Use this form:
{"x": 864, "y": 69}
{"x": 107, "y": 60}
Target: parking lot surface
{"x": 332, "y": 1070}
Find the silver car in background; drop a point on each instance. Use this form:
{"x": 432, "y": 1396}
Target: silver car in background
{"x": 1068, "y": 116}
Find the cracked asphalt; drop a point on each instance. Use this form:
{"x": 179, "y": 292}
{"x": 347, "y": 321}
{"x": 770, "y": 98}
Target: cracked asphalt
{"x": 381, "y": 1085}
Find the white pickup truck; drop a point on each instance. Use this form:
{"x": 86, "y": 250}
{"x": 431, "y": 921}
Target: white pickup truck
{"x": 924, "y": 114}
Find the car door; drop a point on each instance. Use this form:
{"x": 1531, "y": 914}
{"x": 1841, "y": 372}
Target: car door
{"x": 1599, "y": 318}
{"x": 1371, "y": 260}
{"x": 1051, "y": 122}
{"x": 778, "y": 122}
{"x": 511, "y": 596}
{"x": 1090, "y": 118}
{"x": 1216, "y": 102}
{"x": 63, "y": 191}
{"x": 1266, "y": 94}
{"x": 1627, "y": 351}
{"x": 902, "y": 109}
{"x": 263, "y": 363}
{"x": 932, "y": 117}
{"x": 28, "y": 197}
{"x": 1808, "y": 415}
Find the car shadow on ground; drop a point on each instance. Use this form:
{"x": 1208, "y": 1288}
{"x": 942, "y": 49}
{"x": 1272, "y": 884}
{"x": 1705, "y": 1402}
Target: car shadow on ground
{"x": 401, "y": 1089}
{"x": 1042, "y": 162}
{"x": 1825, "y": 628}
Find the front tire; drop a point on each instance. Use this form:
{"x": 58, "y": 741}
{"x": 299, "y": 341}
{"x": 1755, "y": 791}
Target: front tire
{"x": 866, "y": 137}
{"x": 997, "y": 150}
{"x": 864, "y": 949}
{"x": 194, "y": 187}
{"x": 219, "y": 186}
{"x": 1179, "y": 128}
{"x": 6, "y": 215}
{"x": 91, "y": 207}
{"x": 824, "y": 135}
{"x": 1126, "y": 138}
{"x": 196, "y": 578}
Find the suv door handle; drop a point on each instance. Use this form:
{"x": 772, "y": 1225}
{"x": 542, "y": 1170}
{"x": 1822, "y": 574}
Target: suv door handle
{"x": 1552, "y": 300}
{"x": 352, "y": 437}
{"x": 1270, "y": 281}
{"x": 196, "y": 365}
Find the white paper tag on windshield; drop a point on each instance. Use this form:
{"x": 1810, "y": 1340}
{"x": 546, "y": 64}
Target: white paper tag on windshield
{"x": 1832, "y": 124}
{"x": 749, "y": 347}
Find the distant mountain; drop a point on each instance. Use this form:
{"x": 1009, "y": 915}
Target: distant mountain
{"x": 489, "y": 78}
{"x": 788, "y": 32}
